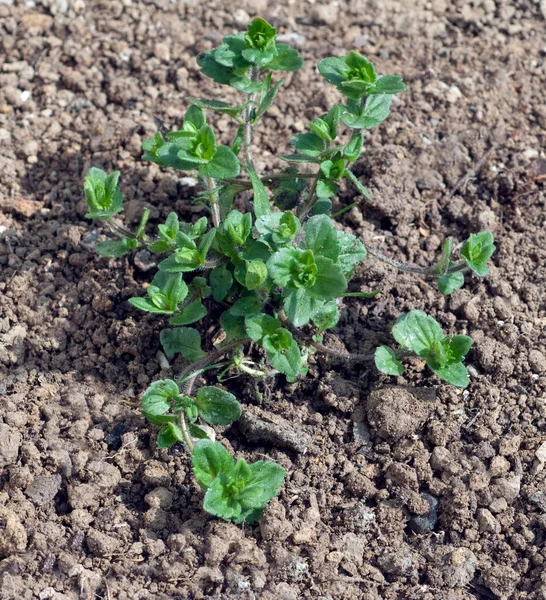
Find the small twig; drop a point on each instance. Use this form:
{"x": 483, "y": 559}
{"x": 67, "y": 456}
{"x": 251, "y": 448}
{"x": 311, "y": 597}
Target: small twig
{"x": 344, "y": 355}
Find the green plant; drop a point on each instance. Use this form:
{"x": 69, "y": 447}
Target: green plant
{"x": 274, "y": 275}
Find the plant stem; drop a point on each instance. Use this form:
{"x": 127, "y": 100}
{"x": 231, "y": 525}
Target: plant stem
{"x": 309, "y": 201}
{"x": 247, "y": 116}
{"x": 119, "y": 229}
{"x": 344, "y": 355}
{"x": 395, "y": 263}
{"x": 214, "y": 206}
{"x": 206, "y": 361}
{"x": 185, "y": 432}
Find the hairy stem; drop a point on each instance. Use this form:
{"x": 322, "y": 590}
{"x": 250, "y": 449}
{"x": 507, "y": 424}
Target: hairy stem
{"x": 119, "y": 229}
{"x": 344, "y": 355}
{"x": 212, "y": 357}
{"x": 185, "y": 432}
{"x": 395, "y": 263}
{"x": 247, "y": 116}
{"x": 213, "y": 199}
{"x": 307, "y": 206}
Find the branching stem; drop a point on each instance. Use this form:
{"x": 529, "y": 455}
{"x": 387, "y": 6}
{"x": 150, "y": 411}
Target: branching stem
{"x": 213, "y": 199}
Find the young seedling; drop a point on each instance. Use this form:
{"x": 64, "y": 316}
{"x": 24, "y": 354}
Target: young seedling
{"x": 271, "y": 277}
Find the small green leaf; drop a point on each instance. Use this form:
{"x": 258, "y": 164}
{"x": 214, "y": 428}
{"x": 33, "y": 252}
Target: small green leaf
{"x": 287, "y": 59}
{"x": 450, "y": 282}
{"x": 309, "y": 144}
{"x": 219, "y": 106}
{"x": 265, "y": 480}
{"x": 417, "y": 332}
{"x": 216, "y": 406}
{"x": 374, "y": 112}
{"x": 196, "y": 432}
{"x": 387, "y": 362}
{"x": 193, "y": 312}
{"x": 389, "y": 84}
{"x": 354, "y": 148}
{"x": 116, "y": 248}
{"x": 185, "y": 340}
{"x": 169, "y": 435}
{"x": 157, "y": 398}
{"x": 223, "y": 165}
{"x": 455, "y": 373}
{"x": 353, "y": 179}
{"x": 321, "y": 237}
{"x": 477, "y": 250}
{"x": 102, "y": 194}
{"x": 262, "y": 205}
{"x": 221, "y": 280}
{"x": 248, "y": 305}
{"x": 209, "y": 459}
{"x": 266, "y": 99}
{"x": 327, "y": 316}
{"x": 256, "y": 274}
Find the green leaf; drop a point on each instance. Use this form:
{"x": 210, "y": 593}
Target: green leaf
{"x": 102, "y": 194}
{"x": 309, "y": 144}
{"x": 209, "y": 459}
{"x": 116, "y": 248}
{"x": 444, "y": 263}
{"x": 354, "y": 148}
{"x": 185, "y": 340}
{"x": 147, "y": 305}
{"x": 300, "y": 158}
{"x": 256, "y": 274}
{"x": 216, "y": 406}
{"x": 224, "y": 165}
{"x": 417, "y": 332}
{"x": 334, "y": 70}
{"x": 300, "y": 307}
{"x": 387, "y": 362}
{"x": 264, "y": 483}
{"x": 248, "y": 305}
{"x": 195, "y": 311}
{"x": 242, "y": 494}
{"x": 477, "y": 250}
{"x": 169, "y": 435}
{"x": 330, "y": 281}
{"x": 455, "y": 373}
{"x": 233, "y": 325}
{"x": 389, "y": 84}
{"x": 351, "y": 253}
{"x": 209, "y": 67}
{"x": 219, "y": 106}
{"x": 287, "y": 59}
{"x": 266, "y": 99}
{"x": 156, "y": 400}
{"x": 352, "y": 178}
{"x": 196, "y": 432}
{"x": 375, "y": 111}
{"x": 321, "y": 237}
{"x": 450, "y": 282}
{"x": 262, "y": 205}
{"x": 261, "y": 325}
{"x": 221, "y": 280}
{"x": 327, "y": 316}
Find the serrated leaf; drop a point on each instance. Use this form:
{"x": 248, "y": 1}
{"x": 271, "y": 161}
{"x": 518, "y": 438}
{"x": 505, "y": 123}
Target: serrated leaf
{"x": 185, "y": 340}
{"x": 309, "y": 144}
{"x": 265, "y": 480}
{"x": 375, "y": 111}
{"x": 156, "y": 400}
{"x": 223, "y": 165}
{"x": 387, "y": 362}
{"x": 354, "y": 148}
{"x": 196, "y": 432}
{"x": 326, "y": 316}
{"x": 353, "y": 179}
{"x": 351, "y": 253}
{"x": 321, "y": 237}
{"x": 209, "y": 459}
{"x": 286, "y": 59}
{"x": 216, "y": 406}
{"x": 417, "y": 332}
{"x": 450, "y": 282}
{"x": 389, "y": 84}
{"x": 477, "y": 250}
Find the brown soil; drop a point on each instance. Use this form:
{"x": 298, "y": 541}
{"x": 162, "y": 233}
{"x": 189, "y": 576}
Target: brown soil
{"x": 414, "y": 491}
